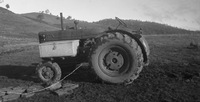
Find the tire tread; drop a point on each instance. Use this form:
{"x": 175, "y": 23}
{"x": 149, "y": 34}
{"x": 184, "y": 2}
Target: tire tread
{"x": 128, "y": 40}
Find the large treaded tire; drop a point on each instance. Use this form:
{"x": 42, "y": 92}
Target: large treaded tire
{"x": 116, "y": 58}
{"x": 48, "y": 72}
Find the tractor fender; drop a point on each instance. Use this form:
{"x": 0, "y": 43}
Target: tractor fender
{"x": 140, "y": 40}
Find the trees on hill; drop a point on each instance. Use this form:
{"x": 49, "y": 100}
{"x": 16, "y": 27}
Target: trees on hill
{"x": 47, "y": 11}
{"x": 40, "y": 17}
{"x": 7, "y": 6}
{"x": 69, "y": 17}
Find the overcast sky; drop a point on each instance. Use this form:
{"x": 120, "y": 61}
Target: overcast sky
{"x": 179, "y": 13}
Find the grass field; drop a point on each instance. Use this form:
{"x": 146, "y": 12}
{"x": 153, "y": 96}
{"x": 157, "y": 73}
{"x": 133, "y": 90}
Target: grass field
{"x": 172, "y": 76}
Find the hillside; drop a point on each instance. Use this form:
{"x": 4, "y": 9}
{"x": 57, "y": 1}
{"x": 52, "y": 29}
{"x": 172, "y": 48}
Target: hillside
{"x": 51, "y": 19}
{"x": 147, "y": 27}
{"x": 55, "y": 21}
{"x": 15, "y": 25}
{"x": 27, "y": 25}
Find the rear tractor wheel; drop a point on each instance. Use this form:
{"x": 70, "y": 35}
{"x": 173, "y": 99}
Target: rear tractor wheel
{"x": 49, "y": 72}
{"x": 116, "y": 58}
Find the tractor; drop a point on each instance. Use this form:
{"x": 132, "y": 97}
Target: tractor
{"x": 115, "y": 55}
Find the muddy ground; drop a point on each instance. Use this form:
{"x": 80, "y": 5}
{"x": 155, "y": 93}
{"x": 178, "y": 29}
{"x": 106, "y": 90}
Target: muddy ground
{"x": 172, "y": 76}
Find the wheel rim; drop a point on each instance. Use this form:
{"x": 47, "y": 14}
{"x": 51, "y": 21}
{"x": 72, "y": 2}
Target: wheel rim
{"x": 47, "y": 73}
{"x": 114, "y": 60}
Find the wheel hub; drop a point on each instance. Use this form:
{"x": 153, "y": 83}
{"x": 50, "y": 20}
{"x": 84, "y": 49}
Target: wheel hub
{"x": 47, "y": 73}
{"x": 114, "y": 60}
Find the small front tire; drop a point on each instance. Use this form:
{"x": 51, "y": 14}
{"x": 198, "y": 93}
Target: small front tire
{"x": 48, "y": 72}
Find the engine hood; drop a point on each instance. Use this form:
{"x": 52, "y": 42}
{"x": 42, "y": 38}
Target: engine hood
{"x": 69, "y": 34}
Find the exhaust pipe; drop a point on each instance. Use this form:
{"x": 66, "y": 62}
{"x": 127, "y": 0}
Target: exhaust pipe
{"x": 61, "y": 20}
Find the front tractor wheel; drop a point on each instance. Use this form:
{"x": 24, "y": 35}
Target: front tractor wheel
{"x": 48, "y": 72}
{"x": 116, "y": 58}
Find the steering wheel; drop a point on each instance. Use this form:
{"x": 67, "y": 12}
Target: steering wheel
{"x": 121, "y": 22}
